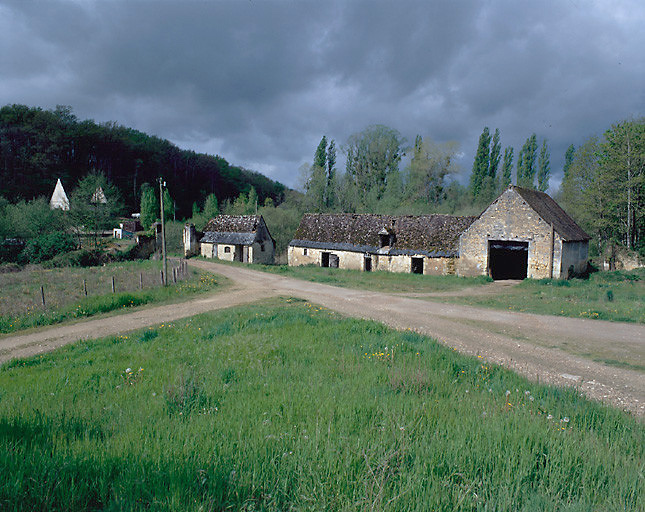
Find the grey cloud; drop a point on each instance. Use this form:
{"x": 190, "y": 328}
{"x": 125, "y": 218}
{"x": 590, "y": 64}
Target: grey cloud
{"x": 262, "y": 81}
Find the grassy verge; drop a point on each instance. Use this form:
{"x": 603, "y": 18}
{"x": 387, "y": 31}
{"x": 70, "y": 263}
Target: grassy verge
{"x": 376, "y": 281}
{"x": 68, "y": 306}
{"x": 288, "y": 406}
{"x": 617, "y": 296}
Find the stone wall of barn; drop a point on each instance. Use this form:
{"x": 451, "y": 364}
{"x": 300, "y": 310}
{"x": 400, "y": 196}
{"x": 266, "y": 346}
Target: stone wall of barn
{"x": 297, "y": 256}
{"x": 574, "y": 257}
{"x": 510, "y": 218}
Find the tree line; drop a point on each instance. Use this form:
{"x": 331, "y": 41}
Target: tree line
{"x": 602, "y": 185}
{"x": 38, "y": 146}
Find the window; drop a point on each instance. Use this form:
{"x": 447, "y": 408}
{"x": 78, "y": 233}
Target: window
{"x": 304, "y": 251}
{"x": 262, "y": 247}
{"x": 227, "y": 249}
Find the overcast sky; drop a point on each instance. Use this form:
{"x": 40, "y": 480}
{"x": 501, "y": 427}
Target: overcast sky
{"x": 259, "y": 82}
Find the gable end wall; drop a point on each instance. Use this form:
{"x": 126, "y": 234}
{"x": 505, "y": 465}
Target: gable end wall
{"x": 510, "y": 218}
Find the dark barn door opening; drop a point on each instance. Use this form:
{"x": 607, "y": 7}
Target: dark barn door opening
{"x": 368, "y": 264}
{"x": 508, "y": 260}
{"x": 417, "y": 265}
{"x": 324, "y": 261}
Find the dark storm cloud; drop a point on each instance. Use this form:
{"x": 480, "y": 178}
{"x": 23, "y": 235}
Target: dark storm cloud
{"x": 260, "y": 82}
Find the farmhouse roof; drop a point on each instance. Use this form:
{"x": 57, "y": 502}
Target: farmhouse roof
{"x": 432, "y": 235}
{"x": 233, "y": 229}
{"x": 552, "y": 213}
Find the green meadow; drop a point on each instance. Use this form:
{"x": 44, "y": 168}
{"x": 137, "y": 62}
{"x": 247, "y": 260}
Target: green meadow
{"x": 288, "y": 406}
{"x": 617, "y": 296}
{"x": 21, "y": 304}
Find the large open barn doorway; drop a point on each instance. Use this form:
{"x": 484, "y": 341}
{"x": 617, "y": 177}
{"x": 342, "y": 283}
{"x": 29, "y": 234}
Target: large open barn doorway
{"x": 508, "y": 260}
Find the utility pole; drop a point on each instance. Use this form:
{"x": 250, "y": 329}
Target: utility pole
{"x": 162, "y": 184}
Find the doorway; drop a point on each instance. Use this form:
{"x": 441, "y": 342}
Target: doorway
{"x": 368, "y": 264}
{"x": 417, "y": 266}
{"x": 508, "y": 259}
{"x": 324, "y": 260}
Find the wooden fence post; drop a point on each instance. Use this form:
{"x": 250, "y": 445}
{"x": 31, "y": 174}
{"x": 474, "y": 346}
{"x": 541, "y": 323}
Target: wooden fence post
{"x": 85, "y": 287}
{"x": 161, "y": 276}
{"x": 140, "y": 280}
{"x": 42, "y": 295}
{"x": 113, "y": 286}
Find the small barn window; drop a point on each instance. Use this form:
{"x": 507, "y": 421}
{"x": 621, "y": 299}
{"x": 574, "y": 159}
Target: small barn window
{"x": 304, "y": 252}
{"x": 262, "y": 247}
{"x": 227, "y": 249}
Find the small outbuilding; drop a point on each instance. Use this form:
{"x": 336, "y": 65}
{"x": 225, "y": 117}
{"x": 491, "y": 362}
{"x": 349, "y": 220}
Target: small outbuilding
{"x": 422, "y": 244}
{"x": 523, "y": 233}
{"x": 243, "y": 238}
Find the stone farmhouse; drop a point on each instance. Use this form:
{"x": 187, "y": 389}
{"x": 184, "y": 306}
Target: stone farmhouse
{"x": 523, "y": 233}
{"x": 243, "y": 238}
{"x": 424, "y": 244}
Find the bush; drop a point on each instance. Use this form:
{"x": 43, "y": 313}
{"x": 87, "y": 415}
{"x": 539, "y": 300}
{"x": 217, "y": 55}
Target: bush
{"x": 10, "y": 249}
{"x": 78, "y": 258}
{"x": 46, "y": 247}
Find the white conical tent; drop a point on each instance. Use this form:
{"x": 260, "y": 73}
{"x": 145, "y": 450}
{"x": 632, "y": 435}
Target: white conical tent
{"x": 59, "y": 197}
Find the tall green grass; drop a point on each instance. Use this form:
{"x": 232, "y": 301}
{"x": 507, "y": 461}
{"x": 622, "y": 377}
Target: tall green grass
{"x": 288, "y": 406}
{"x": 90, "y": 306}
{"x": 617, "y": 296}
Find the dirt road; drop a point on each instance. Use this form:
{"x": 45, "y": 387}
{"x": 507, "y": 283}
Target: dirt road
{"x": 521, "y": 341}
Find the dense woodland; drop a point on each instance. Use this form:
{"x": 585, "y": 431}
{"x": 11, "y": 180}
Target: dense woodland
{"x": 602, "y": 186}
{"x": 38, "y": 146}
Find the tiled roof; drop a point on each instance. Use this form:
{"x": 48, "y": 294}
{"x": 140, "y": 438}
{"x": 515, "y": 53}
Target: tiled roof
{"x": 217, "y": 237}
{"x": 433, "y": 235}
{"x": 552, "y": 213}
{"x": 233, "y": 224}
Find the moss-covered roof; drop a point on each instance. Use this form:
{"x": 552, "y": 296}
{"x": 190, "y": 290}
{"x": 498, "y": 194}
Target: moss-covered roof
{"x": 233, "y": 224}
{"x": 436, "y": 235}
{"x": 552, "y": 213}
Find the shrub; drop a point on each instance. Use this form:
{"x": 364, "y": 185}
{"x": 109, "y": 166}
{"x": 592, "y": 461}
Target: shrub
{"x": 78, "y": 258}
{"x": 46, "y": 247}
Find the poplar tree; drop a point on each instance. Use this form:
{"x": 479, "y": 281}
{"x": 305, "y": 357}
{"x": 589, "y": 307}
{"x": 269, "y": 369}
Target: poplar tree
{"x": 568, "y": 160}
{"x": 480, "y": 165}
{"x": 320, "y": 158}
{"x": 495, "y": 156}
{"x": 544, "y": 168}
{"x": 507, "y": 167}
{"x": 330, "y": 192}
{"x": 526, "y": 163}
{"x": 149, "y": 206}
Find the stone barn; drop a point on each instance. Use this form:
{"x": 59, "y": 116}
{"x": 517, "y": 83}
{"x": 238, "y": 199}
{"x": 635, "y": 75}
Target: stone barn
{"x": 523, "y": 233}
{"x": 423, "y": 244}
{"x": 243, "y": 238}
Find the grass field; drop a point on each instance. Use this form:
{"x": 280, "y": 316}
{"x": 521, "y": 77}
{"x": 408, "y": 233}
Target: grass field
{"x": 21, "y": 305}
{"x": 288, "y": 406}
{"x": 617, "y": 296}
